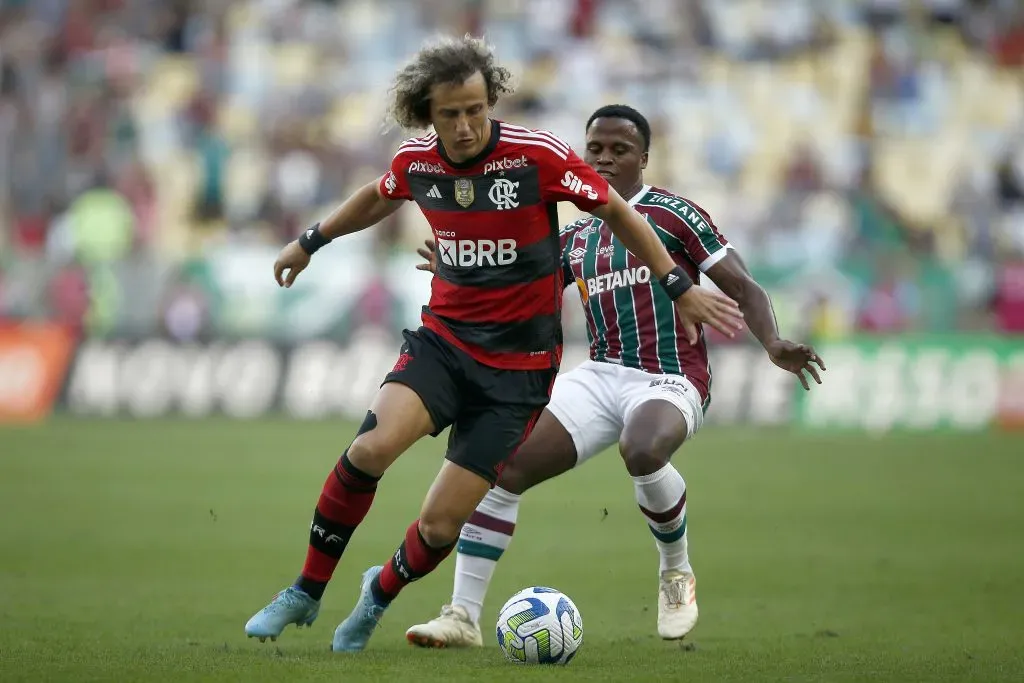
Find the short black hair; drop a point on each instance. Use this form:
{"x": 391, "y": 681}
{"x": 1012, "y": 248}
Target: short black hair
{"x": 624, "y": 111}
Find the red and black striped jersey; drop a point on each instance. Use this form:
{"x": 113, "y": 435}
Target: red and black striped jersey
{"x": 497, "y": 292}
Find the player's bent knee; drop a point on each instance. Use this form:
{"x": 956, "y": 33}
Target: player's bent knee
{"x": 379, "y": 441}
{"x": 363, "y": 455}
{"x": 372, "y": 453}
{"x": 438, "y": 530}
{"x": 647, "y": 453}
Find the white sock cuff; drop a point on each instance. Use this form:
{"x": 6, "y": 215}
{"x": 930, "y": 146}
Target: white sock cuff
{"x": 500, "y": 494}
{"x": 500, "y": 504}
{"x": 657, "y": 476}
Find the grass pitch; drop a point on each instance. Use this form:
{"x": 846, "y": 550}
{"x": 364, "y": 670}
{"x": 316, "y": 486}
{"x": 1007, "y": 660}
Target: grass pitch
{"x": 136, "y": 551}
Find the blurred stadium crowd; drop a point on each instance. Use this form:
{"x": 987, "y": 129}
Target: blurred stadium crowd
{"x": 867, "y": 157}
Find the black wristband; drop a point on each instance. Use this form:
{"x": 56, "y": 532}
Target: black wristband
{"x": 311, "y": 240}
{"x": 676, "y": 283}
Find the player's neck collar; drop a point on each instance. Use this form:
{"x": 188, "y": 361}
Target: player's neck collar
{"x": 639, "y": 195}
{"x": 484, "y": 153}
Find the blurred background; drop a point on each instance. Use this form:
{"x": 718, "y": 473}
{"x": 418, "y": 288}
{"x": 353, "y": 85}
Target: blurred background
{"x": 866, "y": 158}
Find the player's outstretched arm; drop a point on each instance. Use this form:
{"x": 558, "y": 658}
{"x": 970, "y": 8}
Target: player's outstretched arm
{"x": 366, "y": 207}
{"x": 696, "y": 304}
{"x": 732, "y": 277}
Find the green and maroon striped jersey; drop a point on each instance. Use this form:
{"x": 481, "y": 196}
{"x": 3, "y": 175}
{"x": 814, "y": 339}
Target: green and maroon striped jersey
{"x": 630, "y": 319}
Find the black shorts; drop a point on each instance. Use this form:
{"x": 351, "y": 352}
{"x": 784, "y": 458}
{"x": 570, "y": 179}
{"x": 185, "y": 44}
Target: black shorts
{"x": 490, "y": 411}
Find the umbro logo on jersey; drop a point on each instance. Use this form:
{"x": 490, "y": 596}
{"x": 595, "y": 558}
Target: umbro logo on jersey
{"x": 577, "y": 254}
{"x": 434, "y": 193}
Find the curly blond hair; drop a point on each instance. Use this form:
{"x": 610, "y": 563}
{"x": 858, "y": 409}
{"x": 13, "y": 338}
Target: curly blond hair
{"x": 447, "y": 60}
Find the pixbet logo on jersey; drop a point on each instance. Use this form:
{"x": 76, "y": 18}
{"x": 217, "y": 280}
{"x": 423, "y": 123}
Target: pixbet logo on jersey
{"x": 505, "y": 164}
{"x": 467, "y": 253}
{"x": 576, "y": 185}
{"x": 425, "y": 167}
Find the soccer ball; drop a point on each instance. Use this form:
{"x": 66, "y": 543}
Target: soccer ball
{"x": 540, "y": 626}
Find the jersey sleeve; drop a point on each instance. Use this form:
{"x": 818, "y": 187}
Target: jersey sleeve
{"x": 394, "y": 184}
{"x": 566, "y": 232}
{"x": 567, "y": 277}
{"x": 565, "y": 236}
{"x": 688, "y": 228}
{"x": 566, "y": 178}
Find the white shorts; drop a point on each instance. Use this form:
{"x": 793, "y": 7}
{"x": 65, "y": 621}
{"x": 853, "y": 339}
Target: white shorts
{"x": 594, "y": 401}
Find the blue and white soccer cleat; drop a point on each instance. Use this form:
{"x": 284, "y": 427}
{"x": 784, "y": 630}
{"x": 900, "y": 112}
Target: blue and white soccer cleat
{"x": 353, "y": 633}
{"x": 290, "y": 606}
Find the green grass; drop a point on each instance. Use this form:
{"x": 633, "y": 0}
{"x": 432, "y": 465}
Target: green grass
{"x": 136, "y": 552}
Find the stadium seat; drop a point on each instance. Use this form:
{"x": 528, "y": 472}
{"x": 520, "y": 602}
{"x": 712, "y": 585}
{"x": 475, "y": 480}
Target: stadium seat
{"x": 295, "y": 65}
{"x": 176, "y": 181}
{"x": 236, "y": 122}
{"x": 246, "y": 178}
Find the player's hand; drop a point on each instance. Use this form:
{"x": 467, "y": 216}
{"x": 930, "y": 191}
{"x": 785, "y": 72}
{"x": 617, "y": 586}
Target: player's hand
{"x": 796, "y": 358}
{"x": 429, "y": 255}
{"x": 701, "y": 305}
{"x": 292, "y": 258}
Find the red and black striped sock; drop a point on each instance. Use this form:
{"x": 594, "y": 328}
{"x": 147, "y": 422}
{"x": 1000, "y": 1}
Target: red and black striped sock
{"x": 344, "y": 502}
{"x": 414, "y": 560}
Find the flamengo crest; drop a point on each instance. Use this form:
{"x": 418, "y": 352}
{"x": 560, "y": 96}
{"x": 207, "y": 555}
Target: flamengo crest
{"x": 503, "y": 194}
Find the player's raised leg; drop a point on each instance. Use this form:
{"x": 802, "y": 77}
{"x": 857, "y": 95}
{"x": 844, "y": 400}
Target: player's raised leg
{"x": 653, "y": 432}
{"x": 548, "y": 452}
{"x": 397, "y": 418}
